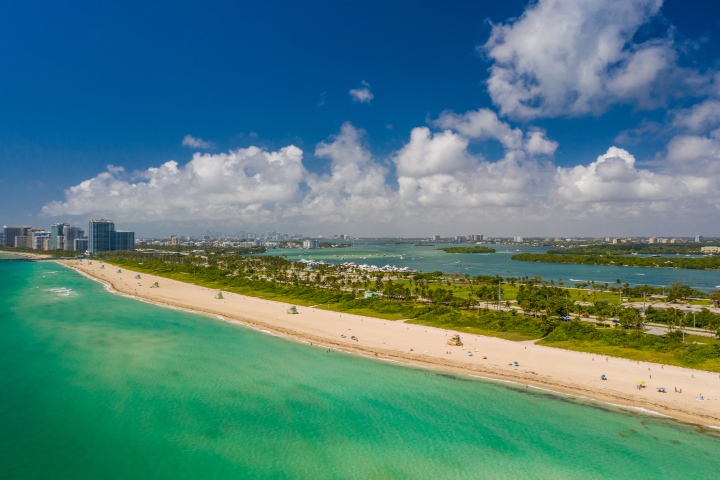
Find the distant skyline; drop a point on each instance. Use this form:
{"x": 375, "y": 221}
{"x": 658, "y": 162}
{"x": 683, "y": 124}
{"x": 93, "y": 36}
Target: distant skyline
{"x": 547, "y": 118}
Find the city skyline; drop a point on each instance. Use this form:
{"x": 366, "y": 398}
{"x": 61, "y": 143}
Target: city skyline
{"x": 535, "y": 119}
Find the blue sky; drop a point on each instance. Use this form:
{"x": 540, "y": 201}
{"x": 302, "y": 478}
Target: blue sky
{"x": 556, "y": 117}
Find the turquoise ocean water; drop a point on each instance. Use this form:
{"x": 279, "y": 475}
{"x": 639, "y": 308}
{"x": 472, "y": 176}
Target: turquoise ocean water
{"x": 94, "y": 385}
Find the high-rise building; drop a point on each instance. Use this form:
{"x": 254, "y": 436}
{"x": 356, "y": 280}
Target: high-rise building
{"x": 312, "y": 243}
{"x": 56, "y": 231}
{"x": 41, "y": 240}
{"x": 22, "y": 241}
{"x": 71, "y": 234}
{"x": 80, "y": 245}
{"x": 174, "y": 240}
{"x": 102, "y": 237}
{"x": 699, "y": 238}
{"x": 9, "y": 234}
{"x": 124, "y": 240}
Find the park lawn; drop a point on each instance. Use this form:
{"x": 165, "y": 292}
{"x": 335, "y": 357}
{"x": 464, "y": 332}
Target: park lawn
{"x": 461, "y": 289}
{"x": 667, "y": 358}
{"x": 367, "y": 312}
{"x": 703, "y": 302}
{"x": 512, "y": 336}
{"x": 689, "y": 338}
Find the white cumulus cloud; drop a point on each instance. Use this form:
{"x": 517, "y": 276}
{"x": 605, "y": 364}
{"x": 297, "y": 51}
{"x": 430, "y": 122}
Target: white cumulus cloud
{"x": 245, "y": 184}
{"x": 362, "y": 95}
{"x": 576, "y": 57}
{"x": 613, "y": 178}
{"x": 355, "y": 189}
{"x": 433, "y": 181}
{"x": 193, "y": 142}
{"x": 481, "y": 124}
{"x": 699, "y": 118}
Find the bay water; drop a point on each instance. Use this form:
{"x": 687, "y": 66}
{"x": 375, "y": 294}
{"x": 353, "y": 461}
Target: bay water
{"x": 96, "y": 385}
{"x": 429, "y": 258}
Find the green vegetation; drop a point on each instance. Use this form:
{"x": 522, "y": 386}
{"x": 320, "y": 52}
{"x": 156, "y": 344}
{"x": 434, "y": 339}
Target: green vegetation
{"x": 207, "y": 250}
{"x": 334, "y": 245}
{"x": 510, "y": 326}
{"x": 635, "y": 345}
{"x": 631, "y": 248}
{"x": 475, "y": 249}
{"x": 701, "y": 263}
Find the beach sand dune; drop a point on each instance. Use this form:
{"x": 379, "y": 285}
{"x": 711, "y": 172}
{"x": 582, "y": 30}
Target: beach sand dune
{"x": 563, "y": 371}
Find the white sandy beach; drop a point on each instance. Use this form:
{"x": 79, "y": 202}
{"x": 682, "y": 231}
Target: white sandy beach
{"x": 563, "y": 371}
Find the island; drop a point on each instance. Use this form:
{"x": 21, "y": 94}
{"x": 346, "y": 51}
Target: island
{"x": 475, "y": 249}
{"x": 625, "y": 257}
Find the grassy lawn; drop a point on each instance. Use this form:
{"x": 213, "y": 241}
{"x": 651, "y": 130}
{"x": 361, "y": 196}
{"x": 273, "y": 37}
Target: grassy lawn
{"x": 667, "y": 358}
{"x": 513, "y": 336}
{"x": 367, "y": 312}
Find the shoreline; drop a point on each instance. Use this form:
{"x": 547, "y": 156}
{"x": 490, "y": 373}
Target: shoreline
{"x": 565, "y": 372}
